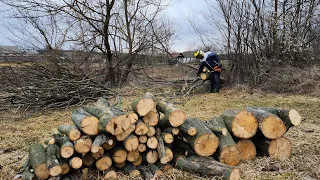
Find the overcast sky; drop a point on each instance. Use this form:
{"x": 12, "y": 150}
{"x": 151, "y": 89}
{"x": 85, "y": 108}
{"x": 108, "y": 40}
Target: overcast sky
{"x": 178, "y": 11}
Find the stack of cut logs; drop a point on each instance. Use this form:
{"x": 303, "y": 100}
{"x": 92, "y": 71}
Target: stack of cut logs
{"x": 155, "y": 135}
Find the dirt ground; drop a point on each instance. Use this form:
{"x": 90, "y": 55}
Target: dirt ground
{"x": 18, "y": 132}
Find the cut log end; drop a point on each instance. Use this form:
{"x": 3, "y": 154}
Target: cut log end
{"x": 131, "y": 143}
{"x": 133, "y": 117}
{"x": 89, "y": 125}
{"x": 151, "y": 118}
{"x": 95, "y": 149}
{"x": 280, "y": 148}
{"x": 118, "y": 124}
{"x": 247, "y": 149}
{"x": 42, "y": 172}
{"x": 76, "y": 162}
{"x": 235, "y": 174}
{"x": 111, "y": 175}
{"x": 83, "y": 145}
{"x": 224, "y": 131}
{"x": 175, "y": 131}
{"x": 230, "y": 156}
{"x": 74, "y": 135}
{"x": 206, "y": 144}
{"x": 192, "y": 131}
{"x": 104, "y": 163}
{"x": 273, "y": 127}
{"x": 55, "y": 170}
{"x": 245, "y": 125}
{"x": 152, "y": 142}
{"x": 168, "y": 138}
{"x": 177, "y": 118}
{"x": 65, "y": 169}
{"x": 67, "y": 151}
{"x": 295, "y": 117}
{"x": 144, "y": 106}
{"x": 120, "y": 156}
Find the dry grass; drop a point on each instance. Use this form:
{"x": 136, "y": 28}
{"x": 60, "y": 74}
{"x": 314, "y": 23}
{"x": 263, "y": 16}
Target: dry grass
{"x": 17, "y": 134}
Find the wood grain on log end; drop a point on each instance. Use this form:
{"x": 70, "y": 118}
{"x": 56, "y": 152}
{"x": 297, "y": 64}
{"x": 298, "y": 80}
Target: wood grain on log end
{"x": 75, "y": 162}
{"x": 280, "y": 148}
{"x": 273, "y": 127}
{"x": 245, "y": 125}
{"x": 177, "y": 118}
{"x": 89, "y": 125}
{"x": 104, "y": 163}
{"x": 206, "y": 144}
{"x": 41, "y": 171}
{"x": 230, "y": 155}
{"x": 295, "y": 117}
{"x": 247, "y": 149}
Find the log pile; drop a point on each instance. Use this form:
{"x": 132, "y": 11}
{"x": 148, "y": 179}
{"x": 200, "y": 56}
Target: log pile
{"x": 156, "y": 135}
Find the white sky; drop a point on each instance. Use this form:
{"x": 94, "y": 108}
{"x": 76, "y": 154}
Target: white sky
{"x": 178, "y": 11}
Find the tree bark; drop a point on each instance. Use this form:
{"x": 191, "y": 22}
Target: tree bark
{"x": 147, "y": 175}
{"x": 38, "y": 158}
{"x": 204, "y": 143}
{"x": 242, "y": 124}
{"x": 227, "y": 152}
{"x": 187, "y": 128}
{"x": 172, "y": 130}
{"x": 161, "y": 148}
{"x": 270, "y": 125}
{"x": 52, "y": 162}
{"x": 97, "y": 143}
{"x": 87, "y": 123}
{"x": 172, "y": 116}
{"x": 71, "y": 131}
{"x": 66, "y": 147}
{"x": 206, "y": 166}
{"x": 131, "y": 171}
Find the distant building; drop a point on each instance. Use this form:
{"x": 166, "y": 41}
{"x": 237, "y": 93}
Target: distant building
{"x": 9, "y": 49}
{"x": 184, "y": 57}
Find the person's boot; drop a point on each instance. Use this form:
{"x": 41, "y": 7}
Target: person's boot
{"x": 214, "y": 91}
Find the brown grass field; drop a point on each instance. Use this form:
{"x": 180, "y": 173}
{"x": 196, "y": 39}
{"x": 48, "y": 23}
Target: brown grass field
{"x": 17, "y": 131}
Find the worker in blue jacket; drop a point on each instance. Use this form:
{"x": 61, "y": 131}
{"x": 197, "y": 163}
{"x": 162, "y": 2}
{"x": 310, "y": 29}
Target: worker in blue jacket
{"x": 211, "y": 61}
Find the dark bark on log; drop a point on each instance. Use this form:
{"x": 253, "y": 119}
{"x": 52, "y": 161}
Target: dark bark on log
{"x": 172, "y": 116}
{"x": 187, "y": 128}
{"x": 147, "y": 175}
{"x": 66, "y": 146}
{"x": 52, "y": 162}
{"x": 161, "y": 148}
{"x": 172, "y": 130}
{"x": 97, "y": 143}
{"x": 38, "y": 158}
{"x": 206, "y": 166}
{"x": 131, "y": 171}
{"x": 87, "y": 123}
{"x": 71, "y": 131}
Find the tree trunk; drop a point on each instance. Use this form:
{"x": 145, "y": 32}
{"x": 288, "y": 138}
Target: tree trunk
{"x": 270, "y": 125}
{"x": 37, "y": 157}
{"x": 144, "y": 105}
{"x": 87, "y": 123}
{"x": 247, "y": 149}
{"x": 172, "y": 116}
{"x": 187, "y": 128}
{"x": 119, "y": 154}
{"x": 131, "y": 171}
{"x": 280, "y": 148}
{"x": 151, "y": 118}
{"x": 227, "y": 152}
{"x": 161, "y": 148}
{"x": 104, "y": 163}
{"x": 141, "y": 128}
{"x": 66, "y": 147}
{"x": 242, "y": 124}
{"x": 75, "y": 162}
{"x": 290, "y": 117}
{"x": 131, "y": 143}
{"x": 25, "y": 175}
{"x": 206, "y": 166}
{"x": 70, "y": 130}
{"x": 83, "y": 145}
{"x": 52, "y": 161}
{"x": 126, "y": 133}
{"x": 97, "y": 143}
{"x": 204, "y": 143}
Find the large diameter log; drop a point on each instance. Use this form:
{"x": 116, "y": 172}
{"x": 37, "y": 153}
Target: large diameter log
{"x": 116, "y": 125}
{"x": 131, "y": 171}
{"x": 241, "y": 123}
{"x": 290, "y": 117}
{"x": 119, "y": 154}
{"x": 270, "y": 125}
{"x": 280, "y": 148}
{"x": 71, "y": 131}
{"x": 104, "y": 163}
{"x": 52, "y": 162}
{"x": 141, "y": 128}
{"x": 66, "y": 146}
{"x": 126, "y": 133}
{"x": 151, "y": 156}
{"x": 187, "y": 128}
{"x": 247, "y": 149}
{"x": 75, "y": 162}
{"x": 161, "y": 148}
{"x": 144, "y": 105}
{"x": 38, "y": 158}
{"x": 83, "y": 145}
{"x": 206, "y": 166}
{"x": 227, "y": 152}
{"x": 131, "y": 143}
{"x": 97, "y": 143}
{"x": 172, "y": 115}
{"x": 151, "y": 118}
{"x": 87, "y": 123}
{"x": 204, "y": 143}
